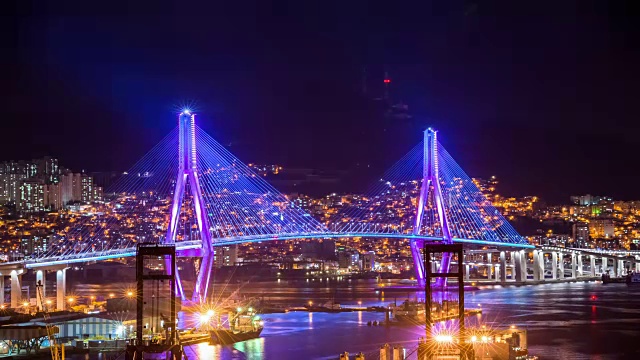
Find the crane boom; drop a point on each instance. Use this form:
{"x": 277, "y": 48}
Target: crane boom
{"x": 57, "y": 350}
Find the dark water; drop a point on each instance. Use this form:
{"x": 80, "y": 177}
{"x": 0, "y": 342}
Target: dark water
{"x": 564, "y": 321}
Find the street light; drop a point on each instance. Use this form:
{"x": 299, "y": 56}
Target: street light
{"x": 70, "y": 300}
{"x": 129, "y": 293}
{"x": 112, "y": 295}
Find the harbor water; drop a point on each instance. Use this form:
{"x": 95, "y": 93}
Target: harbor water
{"x": 564, "y": 321}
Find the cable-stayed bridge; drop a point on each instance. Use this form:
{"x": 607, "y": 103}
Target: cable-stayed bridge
{"x": 191, "y": 191}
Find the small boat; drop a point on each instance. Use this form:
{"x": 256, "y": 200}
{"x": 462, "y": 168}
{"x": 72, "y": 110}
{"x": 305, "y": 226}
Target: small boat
{"x": 242, "y": 326}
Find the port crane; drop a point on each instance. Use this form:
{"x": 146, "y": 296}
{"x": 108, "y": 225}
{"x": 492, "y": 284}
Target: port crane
{"x": 57, "y": 350}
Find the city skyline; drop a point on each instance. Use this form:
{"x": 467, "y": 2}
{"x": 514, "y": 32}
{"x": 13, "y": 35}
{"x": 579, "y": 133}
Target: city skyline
{"x": 551, "y": 128}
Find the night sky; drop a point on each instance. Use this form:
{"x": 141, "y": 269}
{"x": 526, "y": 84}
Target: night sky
{"x": 545, "y": 95}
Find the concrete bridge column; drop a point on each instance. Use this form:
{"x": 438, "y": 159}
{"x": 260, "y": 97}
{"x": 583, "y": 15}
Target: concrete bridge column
{"x": 467, "y": 276}
{"x": 489, "y": 266}
{"x": 1, "y": 289}
{"x": 16, "y": 288}
{"x": 621, "y": 268}
{"x": 605, "y": 266}
{"x": 637, "y": 266}
{"x": 615, "y": 267}
{"x": 523, "y": 265}
{"x": 580, "y": 266}
{"x": 541, "y": 264}
{"x": 496, "y": 273}
{"x": 561, "y": 265}
{"x": 515, "y": 259}
{"x": 61, "y": 289}
{"x": 554, "y": 265}
{"x": 503, "y": 267}
{"x": 574, "y": 265}
{"x": 536, "y": 266}
{"x": 41, "y": 279}
{"x": 592, "y": 259}
{"x": 520, "y": 262}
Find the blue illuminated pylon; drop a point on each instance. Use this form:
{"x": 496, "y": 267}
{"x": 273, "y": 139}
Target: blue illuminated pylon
{"x": 430, "y": 185}
{"x": 187, "y": 172}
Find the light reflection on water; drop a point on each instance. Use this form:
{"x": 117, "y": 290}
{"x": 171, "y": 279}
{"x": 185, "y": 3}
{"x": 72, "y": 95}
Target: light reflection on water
{"x": 563, "y": 321}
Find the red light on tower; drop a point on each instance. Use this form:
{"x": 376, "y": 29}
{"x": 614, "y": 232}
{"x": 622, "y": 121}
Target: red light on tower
{"x": 386, "y": 81}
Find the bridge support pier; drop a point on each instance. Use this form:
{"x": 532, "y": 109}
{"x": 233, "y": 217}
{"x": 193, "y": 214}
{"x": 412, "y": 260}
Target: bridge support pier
{"x": 467, "y": 276}
{"x": 592, "y": 260}
{"x": 1, "y": 289}
{"x": 615, "y": 267}
{"x": 61, "y": 289}
{"x": 621, "y": 268}
{"x": 580, "y": 266}
{"x": 490, "y": 274}
{"x": 521, "y": 265}
{"x": 574, "y": 265}
{"x": 41, "y": 278}
{"x": 554, "y": 265}
{"x": 561, "y": 265}
{"x": 16, "y": 288}
{"x": 536, "y": 266}
{"x": 605, "y": 266}
{"x": 503, "y": 267}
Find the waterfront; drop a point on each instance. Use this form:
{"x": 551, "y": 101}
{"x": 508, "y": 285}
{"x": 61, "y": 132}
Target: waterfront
{"x": 564, "y": 321}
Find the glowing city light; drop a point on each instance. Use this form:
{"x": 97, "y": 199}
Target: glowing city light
{"x": 444, "y": 338}
{"x": 204, "y": 319}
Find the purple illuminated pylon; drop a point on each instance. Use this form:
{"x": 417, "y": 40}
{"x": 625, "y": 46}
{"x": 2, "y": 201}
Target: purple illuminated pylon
{"x": 187, "y": 172}
{"x": 430, "y": 182}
